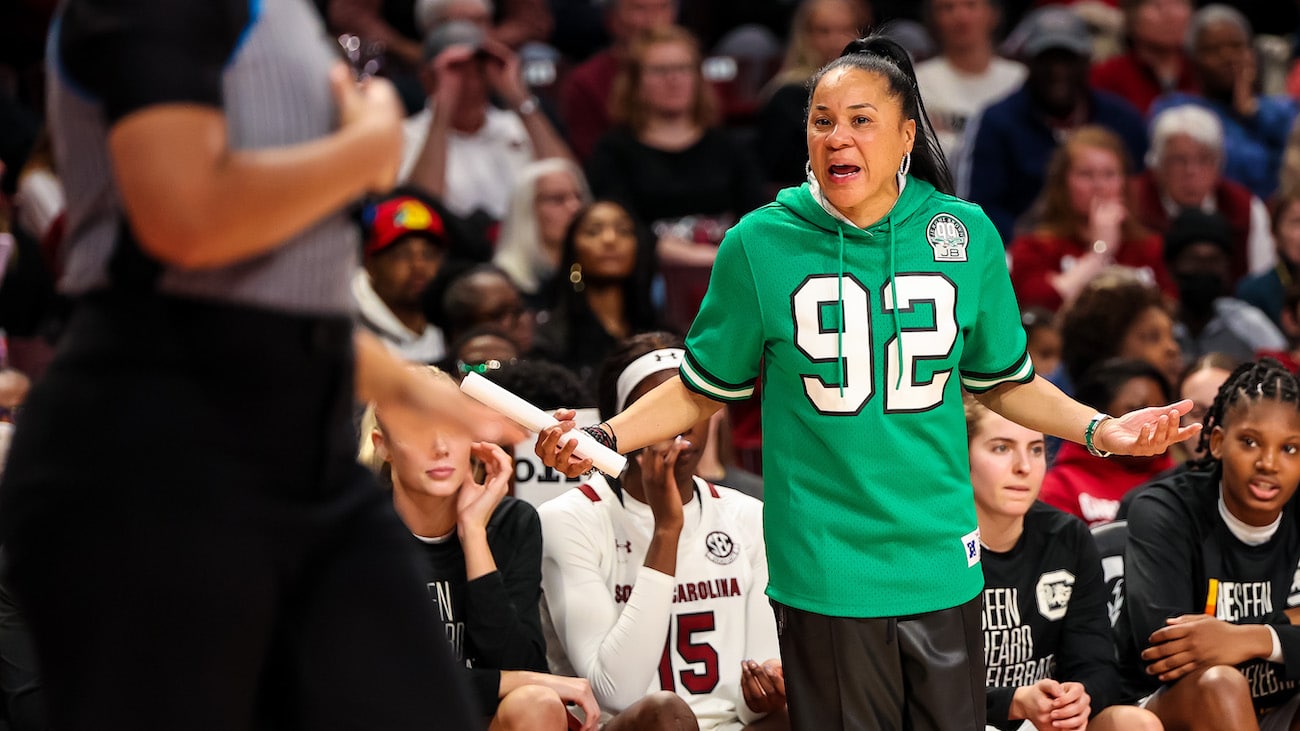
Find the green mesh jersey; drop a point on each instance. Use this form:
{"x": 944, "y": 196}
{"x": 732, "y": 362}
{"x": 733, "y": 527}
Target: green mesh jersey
{"x": 868, "y": 507}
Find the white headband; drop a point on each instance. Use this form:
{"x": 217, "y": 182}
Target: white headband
{"x": 666, "y": 359}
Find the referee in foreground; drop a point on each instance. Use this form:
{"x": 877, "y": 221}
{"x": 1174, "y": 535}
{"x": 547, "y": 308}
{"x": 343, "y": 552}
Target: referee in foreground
{"x": 190, "y": 535}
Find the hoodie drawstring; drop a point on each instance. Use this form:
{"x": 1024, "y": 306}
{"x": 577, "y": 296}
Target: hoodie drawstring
{"x": 839, "y": 335}
{"x": 815, "y": 191}
{"x": 893, "y": 304}
{"x": 893, "y": 296}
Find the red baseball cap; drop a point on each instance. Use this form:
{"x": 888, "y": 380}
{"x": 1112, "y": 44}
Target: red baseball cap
{"x": 404, "y": 215}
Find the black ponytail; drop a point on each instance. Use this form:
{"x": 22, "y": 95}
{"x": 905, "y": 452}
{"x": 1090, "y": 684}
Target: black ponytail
{"x": 884, "y": 56}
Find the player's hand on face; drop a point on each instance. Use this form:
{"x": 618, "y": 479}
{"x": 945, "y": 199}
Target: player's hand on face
{"x": 556, "y": 451}
{"x": 657, "y": 466}
{"x": 1146, "y": 431}
{"x": 763, "y": 685}
{"x": 475, "y": 502}
{"x": 1192, "y": 642}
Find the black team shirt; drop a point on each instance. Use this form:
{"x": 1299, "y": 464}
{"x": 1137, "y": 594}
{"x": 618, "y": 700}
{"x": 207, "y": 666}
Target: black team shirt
{"x": 1045, "y": 614}
{"x": 1181, "y": 558}
{"x": 493, "y": 622}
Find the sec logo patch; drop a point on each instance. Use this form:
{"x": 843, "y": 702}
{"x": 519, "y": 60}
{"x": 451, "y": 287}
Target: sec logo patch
{"x": 948, "y": 237}
{"x": 719, "y": 547}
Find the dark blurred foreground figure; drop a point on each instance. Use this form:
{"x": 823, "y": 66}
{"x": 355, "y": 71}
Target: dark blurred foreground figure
{"x": 253, "y": 576}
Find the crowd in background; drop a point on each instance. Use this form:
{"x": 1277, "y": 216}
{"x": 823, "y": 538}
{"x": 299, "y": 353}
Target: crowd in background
{"x": 570, "y": 167}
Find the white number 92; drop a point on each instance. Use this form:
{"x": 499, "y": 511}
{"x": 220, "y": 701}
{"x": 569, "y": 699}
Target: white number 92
{"x": 818, "y": 342}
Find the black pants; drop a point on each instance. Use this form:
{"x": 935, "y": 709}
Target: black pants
{"x": 193, "y": 542}
{"x": 923, "y": 672}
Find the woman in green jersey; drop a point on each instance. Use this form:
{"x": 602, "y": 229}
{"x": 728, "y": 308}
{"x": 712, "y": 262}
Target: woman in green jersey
{"x": 866, "y": 299}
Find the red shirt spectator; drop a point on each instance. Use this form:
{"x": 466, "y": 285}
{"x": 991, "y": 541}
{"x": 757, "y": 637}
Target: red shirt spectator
{"x": 1156, "y": 61}
{"x": 1083, "y": 224}
{"x": 1229, "y": 199}
{"x": 1127, "y": 76}
{"x": 1091, "y": 487}
{"x": 1185, "y": 171}
{"x": 584, "y": 99}
{"x": 1036, "y": 257}
{"x": 1286, "y": 358}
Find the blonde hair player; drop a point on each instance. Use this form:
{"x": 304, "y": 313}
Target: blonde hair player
{"x": 1049, "y": 656}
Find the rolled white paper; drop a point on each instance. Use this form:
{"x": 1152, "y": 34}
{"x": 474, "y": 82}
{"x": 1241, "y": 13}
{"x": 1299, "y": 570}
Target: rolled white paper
{"x": 534, "y": 419}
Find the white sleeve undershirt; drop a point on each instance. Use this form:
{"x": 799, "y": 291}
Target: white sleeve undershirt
{"x": 617, "y": 652}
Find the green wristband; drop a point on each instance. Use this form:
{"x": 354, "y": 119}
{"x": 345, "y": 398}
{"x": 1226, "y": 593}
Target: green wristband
{"x": 1090, "y": 430}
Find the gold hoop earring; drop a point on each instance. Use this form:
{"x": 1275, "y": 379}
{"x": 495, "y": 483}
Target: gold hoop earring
{"x": 575, "y": 277}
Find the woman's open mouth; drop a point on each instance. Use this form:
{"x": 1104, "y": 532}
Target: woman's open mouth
{"x": 843, "y": 173}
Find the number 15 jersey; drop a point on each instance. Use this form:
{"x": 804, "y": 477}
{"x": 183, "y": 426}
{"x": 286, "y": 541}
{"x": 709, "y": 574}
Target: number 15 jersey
{"x": 867, "y": 499}
{"x": 630, "y": 630}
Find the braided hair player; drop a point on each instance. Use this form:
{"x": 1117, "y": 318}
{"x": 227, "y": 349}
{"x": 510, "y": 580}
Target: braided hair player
{"x": 1211, "y": 564}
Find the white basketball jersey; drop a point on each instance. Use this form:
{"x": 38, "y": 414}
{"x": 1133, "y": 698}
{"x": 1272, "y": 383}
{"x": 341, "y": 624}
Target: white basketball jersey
{"x": 716, "y": 613}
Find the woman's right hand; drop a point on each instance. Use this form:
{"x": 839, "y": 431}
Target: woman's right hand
{"x": 557, "y": 452}
{"x": 577, "y": 692}
{"x": 476, "y": 502}
{"x": 763, "y": 685}
{"x": 1105, "y": 221}
{"x": 1192, "y": 642}
{"x": 372, "y": 107}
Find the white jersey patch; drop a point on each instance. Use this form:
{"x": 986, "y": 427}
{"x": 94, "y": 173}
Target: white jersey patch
{"x": 948, "y": 237}
{"x": 1053, "y": 593}
{"x": 719, "y": 548}
{"x": 970, "y": 545}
